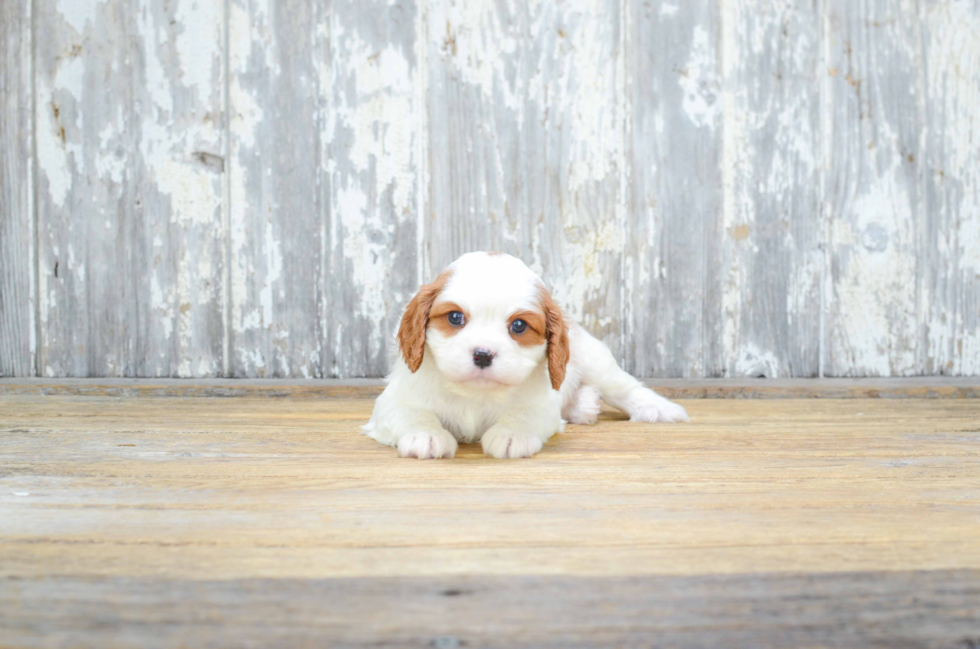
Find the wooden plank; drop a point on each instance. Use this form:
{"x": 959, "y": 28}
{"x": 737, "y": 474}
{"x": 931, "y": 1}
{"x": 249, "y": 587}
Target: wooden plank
{"x": 138, "y": 522}
{"x": 129, "y": 199}
{"x": 951, "y": 166}
{"x": 673, "y": 266}
{"x": 288, "y": 488}
{"x": 574, "y": 138}
{"x": 476, "y": 57}
{"x": 859, "y": 609}
{"x": 773, "y": 228}
{"x": 275, "y": 222}
{"x": 891, "y": 388}
{"x": 373, "y": 180}
{"x": 17, "y": 299}
{"x": 527, "y": 140}
{"x": 572, "y": 132}
{"x": 874, "y": 146}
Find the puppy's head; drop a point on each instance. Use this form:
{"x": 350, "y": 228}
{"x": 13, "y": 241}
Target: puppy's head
{"x": 488, "y": 321}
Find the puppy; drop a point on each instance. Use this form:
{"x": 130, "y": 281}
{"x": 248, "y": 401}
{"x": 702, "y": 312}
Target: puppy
{"x": 486, "y": 356}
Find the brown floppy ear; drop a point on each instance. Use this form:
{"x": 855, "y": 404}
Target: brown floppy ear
{"x": 557, "y": 335}
{"x": 411, "y": 332}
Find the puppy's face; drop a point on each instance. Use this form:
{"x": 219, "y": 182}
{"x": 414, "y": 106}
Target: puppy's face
{"x": 488, "y": 322}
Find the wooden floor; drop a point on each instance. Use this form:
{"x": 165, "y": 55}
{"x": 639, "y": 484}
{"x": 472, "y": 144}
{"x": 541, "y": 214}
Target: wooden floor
{"x": 240, "y": 522}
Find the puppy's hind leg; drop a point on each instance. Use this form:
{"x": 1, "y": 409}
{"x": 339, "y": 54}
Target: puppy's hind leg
{"x": 583, "y": 408}
{"x": 618, "y": 388}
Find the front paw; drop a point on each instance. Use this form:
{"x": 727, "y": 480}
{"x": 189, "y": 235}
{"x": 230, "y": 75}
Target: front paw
{"x": 503, "y": 443}
{"x": 427, "y": 445}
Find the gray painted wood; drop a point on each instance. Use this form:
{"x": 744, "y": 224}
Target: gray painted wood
{"x": 713, "y": 188}
{"x": 17, "y": 301}
{"x": 275, "y": 226}
{"x": 950, "y": 278}
{"x": 773, "y": 230}
{"x": 372, "y": 134}
{"x": 574, "y": 144}
{"x": 129, "y": 107}
{"x": 476, "y": 102}
{"x": 526, "y": 143}
{"x": 874, "y": 189}
{"x": 674, "y": 271}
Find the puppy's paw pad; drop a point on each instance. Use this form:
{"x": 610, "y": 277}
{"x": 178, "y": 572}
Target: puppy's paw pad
{"x": 507, "y": 444}
{"x": 427, "y": 446}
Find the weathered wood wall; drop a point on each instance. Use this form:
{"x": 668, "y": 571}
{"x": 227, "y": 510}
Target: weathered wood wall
{"x": 714, "y": 187}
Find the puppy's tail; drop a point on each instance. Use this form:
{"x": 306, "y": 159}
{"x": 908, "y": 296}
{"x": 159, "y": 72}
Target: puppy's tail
{"x": 619, "y": 389}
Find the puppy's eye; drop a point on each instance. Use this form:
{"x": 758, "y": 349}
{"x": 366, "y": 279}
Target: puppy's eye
{"x": 456, "y": 318}
{"x": 518, "y": 326}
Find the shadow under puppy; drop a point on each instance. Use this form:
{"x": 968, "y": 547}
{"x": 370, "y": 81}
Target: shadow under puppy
{"x": 487, "y": 356}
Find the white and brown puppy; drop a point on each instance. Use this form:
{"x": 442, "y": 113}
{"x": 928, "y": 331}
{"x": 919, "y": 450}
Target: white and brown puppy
{"x": 487, "y": 356}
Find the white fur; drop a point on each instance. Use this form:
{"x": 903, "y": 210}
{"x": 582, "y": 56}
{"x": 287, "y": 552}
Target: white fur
{"x": 510, "y": 407}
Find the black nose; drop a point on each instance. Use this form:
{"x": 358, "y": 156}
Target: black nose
{"x": 482, "y": 358}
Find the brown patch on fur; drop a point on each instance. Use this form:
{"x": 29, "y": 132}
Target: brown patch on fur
{"x": 557, "y": 335}
{"x": 494, "y": 254}
{"x": 439, "y": 318}
{"x": 411, "y": 332}
{"x": 536, "y": 332}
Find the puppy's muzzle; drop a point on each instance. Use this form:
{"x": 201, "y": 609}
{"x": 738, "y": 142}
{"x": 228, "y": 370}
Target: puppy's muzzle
{"x": 482, "y": 358}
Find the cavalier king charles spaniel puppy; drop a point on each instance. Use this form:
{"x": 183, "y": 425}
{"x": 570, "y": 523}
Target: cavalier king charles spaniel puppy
{"x": 486, "y": 356}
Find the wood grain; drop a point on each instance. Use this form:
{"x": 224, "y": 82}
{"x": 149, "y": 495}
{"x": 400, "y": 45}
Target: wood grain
{"x": 373, "y": 132}
{"x": 252, "y": 188}
{"x": 951, "y": 168}
{"x": 526, "y": 138}
{"x": 773, "y": 230}
{"x": 128, "y": 112}
{"x": 17, "y": 250}
{"x": 673, "y": 267}
{"x": 149, "y": 522}
{"x": 861, "y": 610}
{"x": 875, "y": 188}
{"x": 275, "y": 226}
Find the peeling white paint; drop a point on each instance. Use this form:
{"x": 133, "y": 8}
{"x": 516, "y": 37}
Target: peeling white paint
{"x": 700, "y": 81}
{"x": 199, "y": 43}
{"x": 876, "y": 325}
{"x": 586, "y": 251}
{"x": 79, "y": 13}
{"x": 373, "y": 92}
{"x": 754, "y": 362}
{"x": 471, "y": 35}
{"x": 552, "y": 76}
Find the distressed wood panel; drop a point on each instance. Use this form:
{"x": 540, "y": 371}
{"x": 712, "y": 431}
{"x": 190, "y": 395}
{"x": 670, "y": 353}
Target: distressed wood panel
{"x": 770, "y": 165}
{"x": 526, "y": 141}
{"x": 476, "y": 102}
{"x": 373, "y": 179}
{"x": 874, "y": 189}
{"x": 17, "y": 327}
{"x": 713, "y": 188}
{"x": 574, "y": 145}
{"x": 951, "y": 166}
{"x": 673, "y": 267}
{"x": 275, "y": 225}
{"x": 128, "y": 120}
